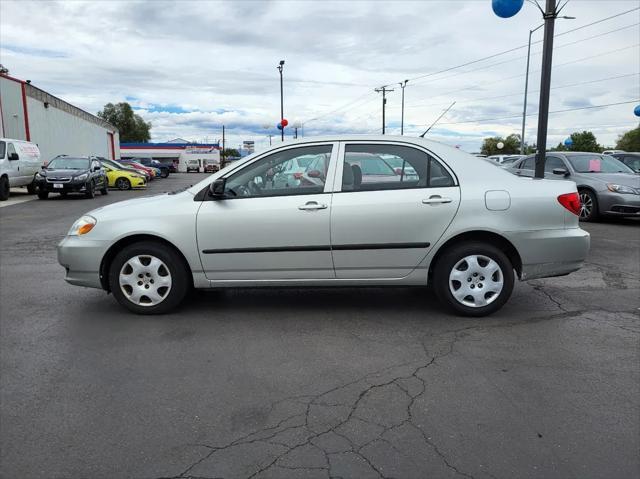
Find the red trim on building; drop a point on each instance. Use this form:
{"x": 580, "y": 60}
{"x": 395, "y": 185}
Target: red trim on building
{"x": 177, "y": 147}
{"x": 113, "y": 147}
{"x": 26, "y": 112}
{"x": 1, "y": 117}
{"x": 11, "y": 78}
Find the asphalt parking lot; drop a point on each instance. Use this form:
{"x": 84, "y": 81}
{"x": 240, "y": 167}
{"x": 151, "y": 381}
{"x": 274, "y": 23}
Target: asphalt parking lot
{"x": 315, "y": 383}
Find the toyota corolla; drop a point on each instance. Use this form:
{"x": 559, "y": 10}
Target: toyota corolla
{"x": 448, "y": 220}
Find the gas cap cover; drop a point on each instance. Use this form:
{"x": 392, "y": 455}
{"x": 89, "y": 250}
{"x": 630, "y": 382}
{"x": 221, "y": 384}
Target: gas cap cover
{"x": 497, "y": 200}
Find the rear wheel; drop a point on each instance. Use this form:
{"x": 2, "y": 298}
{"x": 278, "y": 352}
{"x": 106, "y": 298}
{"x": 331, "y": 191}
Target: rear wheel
{"x": 4, "y": 188}
{"x": 165, "y": 173}
{"x": 149, "y": 278}
{"x": 123, "y": 184}
{"x": 588, "y": 206}
{"x": 474, "y": 278}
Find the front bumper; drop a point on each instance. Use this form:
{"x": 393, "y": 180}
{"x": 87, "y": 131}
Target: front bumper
{"x": 81, "y": 258}
{"x": 67, "y": 187}
{"x": 616, "y": 204}
{"x": 547, "y": 253}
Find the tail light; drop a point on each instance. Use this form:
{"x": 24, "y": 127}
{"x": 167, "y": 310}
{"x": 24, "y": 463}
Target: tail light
{"x": 570, "y": 201}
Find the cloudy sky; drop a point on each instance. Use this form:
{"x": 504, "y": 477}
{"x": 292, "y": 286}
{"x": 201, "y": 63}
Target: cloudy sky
{"x": 190, "y": 67}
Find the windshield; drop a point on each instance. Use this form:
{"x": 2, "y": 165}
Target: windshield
{"x": 69, "y": 164}
{"x": 597, "y": 164}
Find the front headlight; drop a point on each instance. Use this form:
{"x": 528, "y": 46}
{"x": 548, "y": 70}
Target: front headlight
{"x": 627, "y": 190}
{"x": 81, "y": 177}
{"x": 82, "y": 226}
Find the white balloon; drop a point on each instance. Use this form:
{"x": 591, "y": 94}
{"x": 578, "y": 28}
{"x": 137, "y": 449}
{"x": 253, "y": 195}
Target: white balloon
{"x": 500, "y": 145}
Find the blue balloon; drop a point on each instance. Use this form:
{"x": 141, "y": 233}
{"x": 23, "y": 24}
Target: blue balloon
{"x": 636, "y": 110}
{"x": 506, "y": 8}
{"x": 568, "y": 142}
{"x": 279, "y": 125}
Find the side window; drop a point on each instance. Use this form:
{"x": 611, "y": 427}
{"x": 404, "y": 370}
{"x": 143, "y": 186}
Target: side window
{"x": 553, "y": 162}
{"x": 296, "y": 171}
{"x": 529, "y": 163}
{"x": 10, "y": 149}
{"x": 391, "y": 167}
{"x": 3, "y": 149}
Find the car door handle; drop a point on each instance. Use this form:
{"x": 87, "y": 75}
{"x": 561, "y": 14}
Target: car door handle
{"x": 432, "y": 200}
{"x": 312, "y": 205}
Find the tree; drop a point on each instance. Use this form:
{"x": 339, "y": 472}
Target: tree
{"x": 511, "y": 145}
{"x": 229, "y": 153}
{"x": 630, "y": 141}
{"x": 132, "y": 128}
{"x": 585, "y": 141}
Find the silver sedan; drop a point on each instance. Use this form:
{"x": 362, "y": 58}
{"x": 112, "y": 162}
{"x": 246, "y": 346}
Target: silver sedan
{"x": 448, "y": 220}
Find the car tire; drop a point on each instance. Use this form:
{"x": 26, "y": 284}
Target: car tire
{"x": 123, "y": 184}
{"x": 4, "y": 188}
{"x": 479, "y": 269}
{"x": 90, "y": 190}
{"x": 31, "y": 188}
{"x": 43, "y": 195}
{"x": 164, "y": 174}
{"x": 138, "y": 269}
{"x": 588, "y": 206}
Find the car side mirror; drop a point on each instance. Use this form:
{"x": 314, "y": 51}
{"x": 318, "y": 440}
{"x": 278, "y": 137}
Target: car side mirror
{"x": 560, "y": 172}
{"x": 43, "y": 167}
{"x": 314, "y": 174}
{"x": 217, "y": 188}
{"x": 96, "y": 168}
{"x": 13, "y": 157}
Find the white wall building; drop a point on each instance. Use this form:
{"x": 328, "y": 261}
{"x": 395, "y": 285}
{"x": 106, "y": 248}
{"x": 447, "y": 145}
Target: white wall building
{"x": 176, "y": 152}
{"x": 59, "y": 128}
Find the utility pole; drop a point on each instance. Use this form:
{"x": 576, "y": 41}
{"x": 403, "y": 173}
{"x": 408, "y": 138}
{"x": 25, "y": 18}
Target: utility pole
{"x": 280, "y": 67}
{"x": 270, "y": 136}
{"x": 384, "y": 91}
{"x": 402, "y": 85}
{"x": 549, "y": 16}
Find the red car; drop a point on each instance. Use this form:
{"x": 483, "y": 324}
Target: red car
{"x": 151, "y": 172}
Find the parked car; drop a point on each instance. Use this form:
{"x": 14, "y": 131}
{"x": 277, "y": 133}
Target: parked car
{"x": 611, "y": 152}
{"x": 66, "y": 174}
{"x": 606, "y": 185}
{"x": 464, "y": 226}
{"x": 211, "y": 168}
{"x": 114, "y": 164}
{"x": 19, "y": 163}
{"x": 140, "y": 167}
{"x": 291, "y": 172}
{"x": 193, "y": 165}
{"x": 632, "y": 160}
{"x": 123, "y": 179}
{"x": 502, "y": 158}
{"x": 161, "y": 170}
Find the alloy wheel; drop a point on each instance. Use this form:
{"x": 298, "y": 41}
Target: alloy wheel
{"x": 145, "y": 280}
{"x": 586, "y": 205}
{"x": 476, "y": 281}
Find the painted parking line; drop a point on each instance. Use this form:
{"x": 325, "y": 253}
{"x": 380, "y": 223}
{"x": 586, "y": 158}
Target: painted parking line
{"x": 16, "y": 197}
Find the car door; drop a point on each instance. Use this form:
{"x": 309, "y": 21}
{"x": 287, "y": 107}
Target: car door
{"x": 527, "y": 167}
{"x": 384, "y": 222}
{"x": 552, "y": 163}
{"x": 264, "y": 230}
{"x": 13, "y": 166}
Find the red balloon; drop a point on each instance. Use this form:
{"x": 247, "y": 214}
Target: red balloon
{"x": 284, "y": 122}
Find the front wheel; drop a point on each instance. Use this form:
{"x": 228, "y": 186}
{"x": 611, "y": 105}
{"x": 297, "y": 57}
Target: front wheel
{"x": 588, "y": 206}
{"x": 105, "y": 188}
{"x": 149, "y": 278}
{"x": 43, "y": 195}
{"x": 123, "y": 184}
{"x": 4, "y": 188}
{"x": 474, "y": 278}
{"x": 90, "y": 190}
{"x": 31, "y": 188}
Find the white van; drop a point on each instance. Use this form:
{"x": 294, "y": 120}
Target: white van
{"x": 19, "y": 163}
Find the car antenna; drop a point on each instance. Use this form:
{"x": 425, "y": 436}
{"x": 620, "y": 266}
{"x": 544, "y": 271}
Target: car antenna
{"x": 437, "y": 119}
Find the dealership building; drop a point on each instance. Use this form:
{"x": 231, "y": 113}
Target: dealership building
{"x": 57, "y": 127}
{"x": 177, "y": 151}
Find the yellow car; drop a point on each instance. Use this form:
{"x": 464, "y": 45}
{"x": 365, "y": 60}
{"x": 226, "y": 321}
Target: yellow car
{"x": 124, "y": 180}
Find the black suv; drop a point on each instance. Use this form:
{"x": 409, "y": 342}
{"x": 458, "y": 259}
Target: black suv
{"x": 67, "y": 174}
{"x": 632, "y": 160}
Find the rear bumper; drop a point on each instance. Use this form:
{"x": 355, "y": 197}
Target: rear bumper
{"x": 548, "y": 253}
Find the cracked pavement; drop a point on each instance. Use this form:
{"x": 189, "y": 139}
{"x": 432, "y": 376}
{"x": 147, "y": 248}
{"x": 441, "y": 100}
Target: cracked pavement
{"x": 349, "y": 383}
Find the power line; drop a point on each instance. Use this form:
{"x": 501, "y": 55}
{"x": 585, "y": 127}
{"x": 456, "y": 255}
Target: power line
{"x": 519, "y": 115}
{"x": 469, "y": 100}
{"x": 521, "y": 47}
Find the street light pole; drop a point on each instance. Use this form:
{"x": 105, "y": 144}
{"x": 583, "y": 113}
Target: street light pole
{"x": 402, "y": 85}
{"x": 526, "y": 88}
{"x": 280, "y": 66}
{"x": 384, "y": 90}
